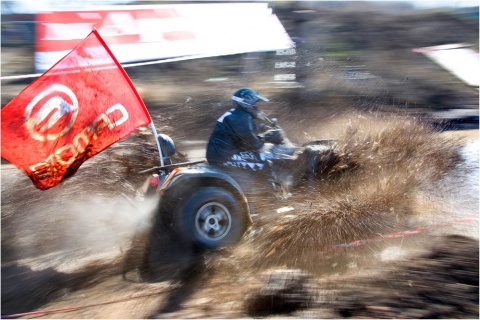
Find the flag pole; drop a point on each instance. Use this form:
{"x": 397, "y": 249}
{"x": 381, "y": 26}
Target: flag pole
{"x": 155, "y": 134}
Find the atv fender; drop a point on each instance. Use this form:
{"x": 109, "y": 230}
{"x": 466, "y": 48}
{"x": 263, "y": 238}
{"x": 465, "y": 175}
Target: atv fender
{"x": 319, "y": 160}
{"x": 182, "y": 182}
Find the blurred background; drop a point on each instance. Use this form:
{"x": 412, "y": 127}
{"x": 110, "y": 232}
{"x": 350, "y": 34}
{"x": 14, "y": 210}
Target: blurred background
{"x": 368, "y": 73}
{"x": 360, "y": 54}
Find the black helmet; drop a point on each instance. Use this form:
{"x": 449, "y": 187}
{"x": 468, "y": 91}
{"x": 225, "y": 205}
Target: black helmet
{"x": 246, "y": 99}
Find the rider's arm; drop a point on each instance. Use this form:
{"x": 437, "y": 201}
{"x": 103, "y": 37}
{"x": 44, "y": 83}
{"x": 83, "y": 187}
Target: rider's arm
{"x": 244, "y": 128}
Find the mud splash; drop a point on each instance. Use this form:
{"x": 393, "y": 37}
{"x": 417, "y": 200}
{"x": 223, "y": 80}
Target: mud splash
{"x": 382, "y": 183}
{"x": 386, "y": 163}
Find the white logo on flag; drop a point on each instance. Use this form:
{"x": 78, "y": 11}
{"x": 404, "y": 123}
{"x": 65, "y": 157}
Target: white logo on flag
{"x": 55, "y": 117}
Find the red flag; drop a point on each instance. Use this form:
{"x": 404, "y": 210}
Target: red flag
{"x": 83, "y": 104}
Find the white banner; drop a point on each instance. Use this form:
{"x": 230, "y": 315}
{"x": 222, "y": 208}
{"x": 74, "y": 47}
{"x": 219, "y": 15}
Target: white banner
{"x": 458, "y": 59}
{"x": 143, "y": 33}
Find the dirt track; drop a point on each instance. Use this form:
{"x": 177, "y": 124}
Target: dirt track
{"x": 69, "y": 247}
{"x": 75, "y": 257}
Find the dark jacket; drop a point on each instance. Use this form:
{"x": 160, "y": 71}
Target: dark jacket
{"x": 234, "y": 132}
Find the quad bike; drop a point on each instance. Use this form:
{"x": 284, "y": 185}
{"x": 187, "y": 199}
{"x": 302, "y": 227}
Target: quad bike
{"x": 206, "y": 207}
{"x": 208, "y": 204}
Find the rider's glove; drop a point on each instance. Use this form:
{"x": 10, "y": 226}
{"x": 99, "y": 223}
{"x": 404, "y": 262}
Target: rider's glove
{"x": 262, "y": 127}
{"x": 273, "y": 136}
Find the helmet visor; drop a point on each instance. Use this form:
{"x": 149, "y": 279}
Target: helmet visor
{"x": 260, "y": 97}
{"x": 248, "y": 97}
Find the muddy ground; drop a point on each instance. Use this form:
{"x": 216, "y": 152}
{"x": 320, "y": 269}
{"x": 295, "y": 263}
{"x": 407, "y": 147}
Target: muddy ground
{"x": 392, "y": 233}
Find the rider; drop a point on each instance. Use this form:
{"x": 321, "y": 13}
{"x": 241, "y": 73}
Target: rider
{"x": 234, "y": 142}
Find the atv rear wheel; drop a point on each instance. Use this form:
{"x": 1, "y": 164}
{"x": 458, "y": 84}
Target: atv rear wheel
{"x": 211, "y": 218}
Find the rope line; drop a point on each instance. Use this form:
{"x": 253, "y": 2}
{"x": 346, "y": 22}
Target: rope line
{"x": 405, "y": 233}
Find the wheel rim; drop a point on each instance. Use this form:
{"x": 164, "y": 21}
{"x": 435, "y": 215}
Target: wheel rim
{"x": 213, "y": 221}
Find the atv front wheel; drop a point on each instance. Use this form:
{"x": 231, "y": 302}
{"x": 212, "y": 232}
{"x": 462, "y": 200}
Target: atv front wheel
{"x": 211, "y": 218}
